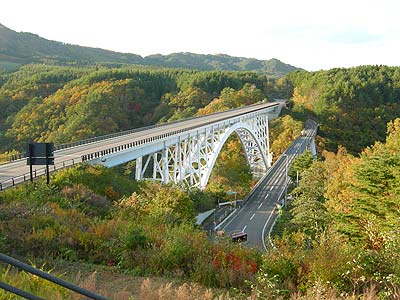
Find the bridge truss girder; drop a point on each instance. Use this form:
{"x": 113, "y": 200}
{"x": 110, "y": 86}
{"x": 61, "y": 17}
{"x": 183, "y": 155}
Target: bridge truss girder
{"x": 192, "y": 157}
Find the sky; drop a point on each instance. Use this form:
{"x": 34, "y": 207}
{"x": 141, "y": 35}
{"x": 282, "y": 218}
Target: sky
{"x": 310, "y": 34}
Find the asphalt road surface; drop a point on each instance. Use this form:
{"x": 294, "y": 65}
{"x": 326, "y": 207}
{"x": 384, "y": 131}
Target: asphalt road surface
{"x": 257, "y": 216}
{"x": 19, "y": 168}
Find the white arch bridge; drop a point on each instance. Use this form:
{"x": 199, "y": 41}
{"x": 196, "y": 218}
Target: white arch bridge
{"x": 184, "y": 151}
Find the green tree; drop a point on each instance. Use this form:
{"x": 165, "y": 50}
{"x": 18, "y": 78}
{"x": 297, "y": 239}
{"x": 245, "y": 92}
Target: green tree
{"x": 308, "y": 209}
{"x": 300, "y": 163}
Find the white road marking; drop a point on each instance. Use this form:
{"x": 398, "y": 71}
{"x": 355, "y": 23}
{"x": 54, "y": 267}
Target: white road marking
{"x": 244, "y": 228}
{"x": 253, "y": 216}
{"x": 266, "y": 197}
{"x": 261, "y": 204}
{"x": 280, "y": 175}
{"x": 271, "y": 188}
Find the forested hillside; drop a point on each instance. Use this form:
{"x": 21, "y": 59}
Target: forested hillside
{"x": 22, "y": 48}
{"x": 63, "y": 104}
{"x": 352, "y": 105}
{"x": 340, "y": 234}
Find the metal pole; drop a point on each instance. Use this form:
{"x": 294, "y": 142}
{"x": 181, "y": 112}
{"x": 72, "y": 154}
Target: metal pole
{"x": 286, "y": 184}
{"x": 16, "y": 291}
{"x": 49, "y": 277}
{"x": 47, "y": 172}
{"x": 30, "y": 160}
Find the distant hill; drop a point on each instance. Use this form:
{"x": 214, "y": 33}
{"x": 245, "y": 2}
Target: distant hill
{"x": 26, "y": 47}
{"x": 19, "y": 48}
{"x": 189, "y": 60}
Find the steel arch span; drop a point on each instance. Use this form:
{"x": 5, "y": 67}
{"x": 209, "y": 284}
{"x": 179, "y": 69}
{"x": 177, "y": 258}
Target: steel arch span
{"x": 191, "y": 158}
{"x": 252, "y": 146}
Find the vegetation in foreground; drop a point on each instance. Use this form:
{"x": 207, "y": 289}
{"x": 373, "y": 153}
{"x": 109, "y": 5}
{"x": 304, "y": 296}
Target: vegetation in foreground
{"x": 92, "y": 214}
{"x": 341, "y": 240}
{"x": 341, "y": 233}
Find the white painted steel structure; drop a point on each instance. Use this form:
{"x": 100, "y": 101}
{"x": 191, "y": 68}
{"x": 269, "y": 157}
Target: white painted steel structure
{"x": 190, "y": 156}
{"x": 183, "y": 151}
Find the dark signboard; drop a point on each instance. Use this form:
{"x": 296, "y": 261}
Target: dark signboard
{"x": 40, "y": 154}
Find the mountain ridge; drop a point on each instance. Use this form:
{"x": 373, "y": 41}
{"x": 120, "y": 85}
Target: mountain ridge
{"x": 21, "y": 48}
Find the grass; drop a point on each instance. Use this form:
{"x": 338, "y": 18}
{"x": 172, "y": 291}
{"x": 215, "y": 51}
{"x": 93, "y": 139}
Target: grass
{"x": 116, "y": 285}
{"x": 113, "y": 283}
{"x": 31, "y": 284}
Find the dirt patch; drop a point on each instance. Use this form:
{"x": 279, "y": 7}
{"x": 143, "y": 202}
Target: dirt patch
{"x": 106, "y": 281}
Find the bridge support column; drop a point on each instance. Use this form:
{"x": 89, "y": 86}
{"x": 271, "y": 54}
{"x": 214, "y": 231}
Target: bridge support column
{"x": 138, "y": 172}
{"x": 313, "y": 148}
{"x": 164, "y": 165}
{"x": 269, "y": 154}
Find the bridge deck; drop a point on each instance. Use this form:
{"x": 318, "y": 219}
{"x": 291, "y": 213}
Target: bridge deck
{"x": 74, "y": 154}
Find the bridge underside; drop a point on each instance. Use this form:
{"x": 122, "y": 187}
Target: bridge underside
{"x": 189, "y": 157}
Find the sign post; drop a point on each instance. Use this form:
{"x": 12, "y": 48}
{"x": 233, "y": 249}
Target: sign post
{"x": 40, "y": 154}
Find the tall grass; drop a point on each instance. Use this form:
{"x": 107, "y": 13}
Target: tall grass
{"x": 31, "y": 284}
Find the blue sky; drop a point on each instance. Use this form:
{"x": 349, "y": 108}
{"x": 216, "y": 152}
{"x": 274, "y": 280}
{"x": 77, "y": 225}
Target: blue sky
{"x": 309, "y": 34}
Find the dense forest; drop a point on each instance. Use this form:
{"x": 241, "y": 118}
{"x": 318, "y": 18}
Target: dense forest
{"x": 63, "y": 104}
{"x": 352, "y": 105}
{"x": 22, "y": 48}
{"x": 340, "y": 233}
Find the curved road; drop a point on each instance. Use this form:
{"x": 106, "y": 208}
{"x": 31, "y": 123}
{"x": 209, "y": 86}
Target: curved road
{"x": 72, "y": 155}
{"x": 257, "y": 216}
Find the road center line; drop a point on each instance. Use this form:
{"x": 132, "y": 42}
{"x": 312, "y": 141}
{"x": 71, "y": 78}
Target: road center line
{"x": 261, "y": 204}
{"x": 244, "y": 228}
{"x": 266, "y": 196}
{"x": 253, "y": 216}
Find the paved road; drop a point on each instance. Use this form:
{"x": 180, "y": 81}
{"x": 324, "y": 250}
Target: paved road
{"x": 18, "y": 168}
{"x": 257, "y": 215}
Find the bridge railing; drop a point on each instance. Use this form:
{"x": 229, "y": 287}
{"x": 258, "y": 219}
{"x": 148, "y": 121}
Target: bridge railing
{"x": 37, "y": 173}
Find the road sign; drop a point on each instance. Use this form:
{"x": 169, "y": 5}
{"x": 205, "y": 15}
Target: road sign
{"x": 40, "y": 154}
{"x": 40, "y": 150}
